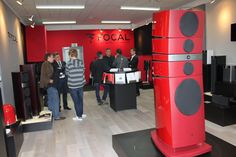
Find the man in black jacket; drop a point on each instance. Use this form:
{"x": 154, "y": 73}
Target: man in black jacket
{"x": 99, "y": 66}
{"x": 109, "y": 58}
{"x": 59, "y": 67}
{"x": 133, "y": 64}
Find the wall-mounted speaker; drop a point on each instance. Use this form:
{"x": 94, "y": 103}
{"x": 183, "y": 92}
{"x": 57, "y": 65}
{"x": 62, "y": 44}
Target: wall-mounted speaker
{"x": 178, "y": 87}
{"x": 22, "y": 95}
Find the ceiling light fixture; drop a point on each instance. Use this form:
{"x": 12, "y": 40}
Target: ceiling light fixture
{"x": 101, "y": 30}
{"x": 60, "y": 6}
{"x": 31, "y": 18}
{"x": 119, "y": 30}
{"x": 32, "y": 25}
{"x": 116, "y": 22}
{"x": 139, "y": 8}
{"x": 212, "y": 1}
{"x": 58, "y": 22}
{"x": 20, "y": 2}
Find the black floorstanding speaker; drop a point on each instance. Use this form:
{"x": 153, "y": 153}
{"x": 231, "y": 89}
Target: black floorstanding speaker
{"x": 34, "y": 89}
{"x": 217, "y": 70}
{"x": 21, "y": 88}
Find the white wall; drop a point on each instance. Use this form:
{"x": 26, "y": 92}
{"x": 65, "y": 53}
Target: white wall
{"x": 11, "y": 52}
{"x": 219, "y": 17}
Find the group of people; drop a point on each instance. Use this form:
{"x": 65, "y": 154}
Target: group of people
{"x": 57, "y": 77}
{"x": 105, "y": 63}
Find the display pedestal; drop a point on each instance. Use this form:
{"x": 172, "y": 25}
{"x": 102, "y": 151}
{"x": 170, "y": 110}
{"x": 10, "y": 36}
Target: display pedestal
{"x": 139, "y": 144}
{"x": 123, "y": 96}
{"x": 38, "y": 123}
{"x": 220, "y": 115}
{"x": 183, "y": 152}
{"x": 14, "y": 139}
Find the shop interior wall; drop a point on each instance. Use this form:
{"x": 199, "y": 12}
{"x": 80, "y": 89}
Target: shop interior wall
{"x": 11, "y": 50}
{"x": 219, "y": 17}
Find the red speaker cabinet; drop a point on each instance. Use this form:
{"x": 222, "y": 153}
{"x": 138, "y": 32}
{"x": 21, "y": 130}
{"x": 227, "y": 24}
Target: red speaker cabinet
{"x": 178, "y": 23}
{"x": 178, "y": 88}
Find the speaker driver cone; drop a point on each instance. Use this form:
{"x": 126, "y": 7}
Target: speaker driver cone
{"x": 188, "y": 97}
{"x": 189, "y": 24}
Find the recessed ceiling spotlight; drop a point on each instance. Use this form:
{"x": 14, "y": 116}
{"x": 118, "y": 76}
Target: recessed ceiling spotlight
{"x": 20, "y": 2}
{"x": 60, "y": 6}
{"x": 115, "y": 21}
{"x": 119, "y": 30}
{"x": 132, "y": 29}
{"x": 31, "y": 18}
{"x": 139, "y": 8}
{"x": 101, "y": 30}
{"x": 212, "y": 1}
{"x": 58, "y": 22}
{"x": 32, "y": 25}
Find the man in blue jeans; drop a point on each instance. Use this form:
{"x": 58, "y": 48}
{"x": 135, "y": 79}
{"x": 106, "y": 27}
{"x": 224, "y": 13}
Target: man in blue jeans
{"x": 98, "y": 68}
{"x": 48, "y": 81}
{"x": 76, "y": 82}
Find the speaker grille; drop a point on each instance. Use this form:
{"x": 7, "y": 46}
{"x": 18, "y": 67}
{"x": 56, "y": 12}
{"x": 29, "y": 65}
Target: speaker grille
{"x": 26, "y": 92}
{"x": 25, "y": 77}
{"x": 189, "y": 24}
{"x": 188, "y": 68}
{"x": 188, "y": 45}
{"x": 188, "y": 97}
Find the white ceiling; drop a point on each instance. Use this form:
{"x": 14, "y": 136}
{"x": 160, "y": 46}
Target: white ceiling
{"x": 94, "y": 12}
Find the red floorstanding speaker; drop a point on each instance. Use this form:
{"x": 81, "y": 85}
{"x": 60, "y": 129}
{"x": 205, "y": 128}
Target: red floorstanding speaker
{"x": 178, "y": 88}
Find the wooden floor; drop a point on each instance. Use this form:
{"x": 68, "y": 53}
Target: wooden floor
{"x": 93, "y": 136}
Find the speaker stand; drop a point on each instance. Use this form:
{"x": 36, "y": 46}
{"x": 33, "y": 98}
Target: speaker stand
{"x": 182, "y": 152}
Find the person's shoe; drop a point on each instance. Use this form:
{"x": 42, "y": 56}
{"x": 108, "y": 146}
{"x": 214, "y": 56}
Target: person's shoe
{"x": 84, "y": 115}
{"x": 67, "y": 108}
{"x": 77, "y": 118}
{"x": 105, "y": 102}
{"x": 60, "y": 118}
{"x": 100, "y": 103}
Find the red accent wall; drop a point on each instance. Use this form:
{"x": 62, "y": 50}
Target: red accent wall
{"x": 36, "y": 43}
{"x": 39, "y": 41}
{"x": 92, "y": 41}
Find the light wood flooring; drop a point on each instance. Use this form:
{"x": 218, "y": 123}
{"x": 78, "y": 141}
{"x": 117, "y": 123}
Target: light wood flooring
{"x": 93, "y": 136}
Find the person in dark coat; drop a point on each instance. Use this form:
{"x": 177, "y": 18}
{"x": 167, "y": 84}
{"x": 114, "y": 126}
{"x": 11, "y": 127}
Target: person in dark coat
{"x": 120, "y": 60}
{"x": 98, "y": 68}
{"x": 109, "y": 58}
{"x": 60, "y": 67}
{"x": 133, "y": 64}
{"x": 49, "y": 81}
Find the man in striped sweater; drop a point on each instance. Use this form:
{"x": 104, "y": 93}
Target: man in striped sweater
{"x": 76, "y": 82}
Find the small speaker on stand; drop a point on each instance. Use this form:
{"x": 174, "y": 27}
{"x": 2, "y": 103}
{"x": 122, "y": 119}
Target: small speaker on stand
{"x": 146, "y": 84}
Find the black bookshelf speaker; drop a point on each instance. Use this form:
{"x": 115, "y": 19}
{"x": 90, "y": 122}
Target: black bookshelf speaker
{"x": 3, "y": 151}
{"x": 22, "y": 95}
{"x": 34, "y": 89}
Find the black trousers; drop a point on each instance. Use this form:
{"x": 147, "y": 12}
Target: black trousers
{"x": 137, "y": 88}
{"x": 62, "y": 90}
